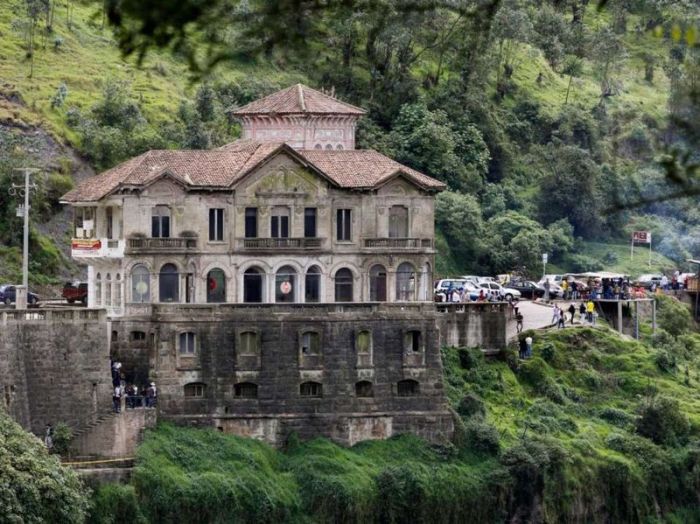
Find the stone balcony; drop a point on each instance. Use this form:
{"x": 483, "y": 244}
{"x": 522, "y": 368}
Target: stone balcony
{"x": 275, "y": 244}
{"x": 398, "y": 243}
{"x": 140, "y": 246}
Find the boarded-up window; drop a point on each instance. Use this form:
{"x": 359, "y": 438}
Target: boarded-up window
{"x": 245, "y": 390}
{"x": 249, "y": 343}
{"x": 407, "y": 388}
{"x": 363, "y": 346}
{"x": 398, "y": 222}
{"x": 310, "y": 389}
{"x": 195, "y": 390}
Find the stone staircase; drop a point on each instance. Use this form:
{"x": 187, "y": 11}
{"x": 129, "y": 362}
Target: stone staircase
{"x": 112, "y": 435}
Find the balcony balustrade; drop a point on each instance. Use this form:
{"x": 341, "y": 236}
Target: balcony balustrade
{"x": 399, "y": 243}
{"x": 261, "y": 244}
{"x": 160, "y": 245}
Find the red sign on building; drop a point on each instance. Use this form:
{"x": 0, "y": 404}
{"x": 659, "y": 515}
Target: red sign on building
{"x": 85, "y": 244}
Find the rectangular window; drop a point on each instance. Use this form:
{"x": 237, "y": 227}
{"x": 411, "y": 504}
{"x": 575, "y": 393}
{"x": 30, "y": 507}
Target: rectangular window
{"x": 160, "y": 222}
{"x": 109, "y": 219}
{"x": 187, "y": 341}
{"x": 310, "y": 222}
{"x": 251, "y": 222}
{"x": 216, "y": 225}
{"x": 279, "y": 222}
{"x": 344, "y": 224}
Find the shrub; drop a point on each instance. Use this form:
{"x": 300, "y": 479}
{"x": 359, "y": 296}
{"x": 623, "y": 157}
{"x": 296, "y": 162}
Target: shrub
{"x": 616, "y": 417}
{"x": 548, "y": 352}
{"x": 662, "y": 421}
{"x": 62, "y": 438}
{"x": 469, "y": 358}
{"x": 673, "y": 315}
{"x": 116, "y": 504}
{"x": 471, "y": 405}
{"x": 665, "y": 361}
{"x": 482, "y": 437}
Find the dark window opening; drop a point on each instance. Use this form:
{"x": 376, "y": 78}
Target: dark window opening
{"x": 253, "y": 285}
{"x": 312, "y": 285}
{"x": 412, "y": 341}
{"x": 169, "y": 284}
{"x": 343, "y": 285}
{"x": 310, "y": 222}
{"x": 195, "y": 390}
{"x": 364, "y": 388}
{"x": 398, "y": 222}
{"x": 279, "y": 223}
{"x": 344, "y": 225}
{"x": 160, "y": 222}
{"x": 377, "y": 284}
{"x": 245, "y": 390}
{"x": 310, "y": 389}
{"x": 216, "y": 225}
{"x": 137, "y": 336}
{"x": 109, "y": 219}
{"x": 407, "y": 388}
{"x": 251, "y": 222}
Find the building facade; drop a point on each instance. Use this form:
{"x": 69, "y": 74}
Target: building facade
{"x": 278, "y": 284}
{"x": 290, "y": 214}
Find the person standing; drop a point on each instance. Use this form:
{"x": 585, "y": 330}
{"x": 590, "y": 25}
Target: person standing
{"x": 117, "y": 399}
{"x": 555, "y": 315}
{"x": 528, "y": 346}
{"x": 572, "y": 312}
{"x": 522, "y": 348}
{"x": 546, "y": 286}
{"x": 561, "y": 323}
{"x": 582, "y": 311}
{"x": 565, "y": 289}
{"x": 590, "y": 308}
{"x": 519, "y": 322}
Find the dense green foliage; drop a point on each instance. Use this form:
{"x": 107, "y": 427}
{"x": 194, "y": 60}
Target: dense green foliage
{"x": 593, "y": 428}
{"x": 557, "y": 112}
{"x": 34, "y": 487}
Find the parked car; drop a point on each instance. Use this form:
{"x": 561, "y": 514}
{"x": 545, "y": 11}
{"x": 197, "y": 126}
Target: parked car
{"x": 527, "y": 288}
{"x": 8, "y": 295}
{"x": 648, "y": 279}
{"x": 470, "y": 278}
{"x": 504, "y": 293}
{"x": 75, "y": 292}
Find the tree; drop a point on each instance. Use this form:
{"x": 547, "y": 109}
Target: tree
{"x": 205, "y": 100}
{"x": 609, "y": 53}
{"x": 35, "y": 487}
{"x": 458, "y": 216}
{"x": 573, "y": 66}
{"x": 511, "y": 29}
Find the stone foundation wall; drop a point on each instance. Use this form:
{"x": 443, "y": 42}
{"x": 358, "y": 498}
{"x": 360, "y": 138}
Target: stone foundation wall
{"x": 54, "y": 366}
{"x": 473, "y": 324}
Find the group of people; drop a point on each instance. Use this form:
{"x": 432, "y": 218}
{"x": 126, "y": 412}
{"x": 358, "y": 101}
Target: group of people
{"x": 586, "y": 310}
{"x": 134, "y": 397}
{"x": 456, "y": 295}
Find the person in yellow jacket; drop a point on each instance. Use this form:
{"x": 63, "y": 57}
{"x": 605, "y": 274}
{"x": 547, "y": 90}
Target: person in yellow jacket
{"x": 565, "y": 288}
{"x": 590, "y": 309}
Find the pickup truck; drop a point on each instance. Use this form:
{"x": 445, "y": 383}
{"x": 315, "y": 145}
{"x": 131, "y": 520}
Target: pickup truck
{"x": 75, "y": 292}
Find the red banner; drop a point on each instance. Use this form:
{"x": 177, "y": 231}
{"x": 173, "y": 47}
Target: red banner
{"x": 85, "y": 244}
{"x": 642, "y": 237}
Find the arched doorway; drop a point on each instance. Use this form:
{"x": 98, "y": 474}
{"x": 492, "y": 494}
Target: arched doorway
{"x": 169, "y": 284}
{"x": 377, "y": 283}
{"x": 285, "y": 284}
{"x": 343, "y": 285}
{"x": 253, "y": 285}
{"x": 216, "y": 286}
{"x": 312, "y": 285}
{"x": 406, "y": 282}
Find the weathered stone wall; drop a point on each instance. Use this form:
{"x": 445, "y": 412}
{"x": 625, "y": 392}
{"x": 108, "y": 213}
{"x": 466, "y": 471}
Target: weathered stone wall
{"x": 278, "y": 366}
{"x": 117, "y": 436}
{"x": 473, "y": 324}
{"x": 54, "y": 366}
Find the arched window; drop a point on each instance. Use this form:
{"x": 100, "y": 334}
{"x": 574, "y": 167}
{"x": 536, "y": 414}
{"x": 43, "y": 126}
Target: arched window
{"x": 285, "y": 284}
{"x": 405, "y": 282}
{"x": 310, "y": 389}
{"x": 339, "y": 147}
{"x": 364, "y": 388}
{"x": 318, "y": 146}
{"x": 377, "y": 283}
{"x": 169, "y": 284}
{"x": 407, "y": 388}
{"x": 216, "y": 286}
{"x": 195, "y": 390}
{"x": 312, "y": 292}
{"x": 329, "y": 146}
{"x": 343, "y": 285}
{"x": 140, "y": 284}
{"x": 245, "y": 390}
{"x": 98, "y": 290}
{"x": 253, "y": 285}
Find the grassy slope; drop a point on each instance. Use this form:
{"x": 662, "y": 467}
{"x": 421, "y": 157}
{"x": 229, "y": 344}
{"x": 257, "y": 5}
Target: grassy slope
{"x": 632, "y": 266}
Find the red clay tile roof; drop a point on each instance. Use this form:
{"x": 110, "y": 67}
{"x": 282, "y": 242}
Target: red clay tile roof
{"x": 298, "y": 99}
{"x": 223, "y": 167}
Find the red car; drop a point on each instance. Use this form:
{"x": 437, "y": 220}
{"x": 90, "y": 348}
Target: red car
{"x": 75, "y": 292}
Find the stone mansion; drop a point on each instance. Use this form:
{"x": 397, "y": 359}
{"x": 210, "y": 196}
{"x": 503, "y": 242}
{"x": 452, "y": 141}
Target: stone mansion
{"x": 290, "y": 213}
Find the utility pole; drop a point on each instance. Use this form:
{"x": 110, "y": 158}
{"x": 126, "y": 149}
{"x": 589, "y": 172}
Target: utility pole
{"x": 23, "y": 191}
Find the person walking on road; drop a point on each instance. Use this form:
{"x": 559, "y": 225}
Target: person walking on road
{"x": 572, "y": 312}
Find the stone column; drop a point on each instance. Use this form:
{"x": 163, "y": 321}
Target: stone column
{"x": 91, "y": 286}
